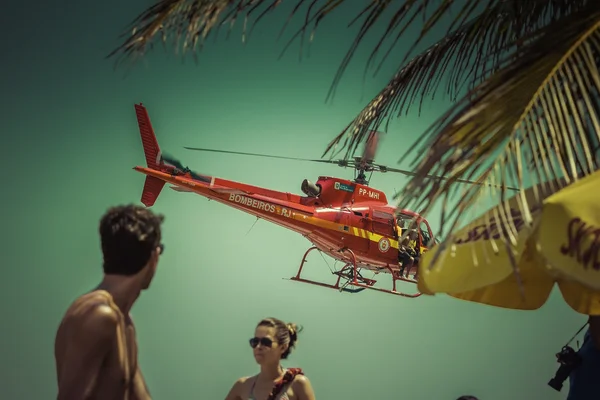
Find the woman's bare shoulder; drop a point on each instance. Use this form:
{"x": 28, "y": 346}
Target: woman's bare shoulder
{"x": 301, "y": 380}
{"x": 240, "y": 388}
{"x": 244, "y": 383}
{"x": 245, "y": 380}
{"x": 302, "y": 386}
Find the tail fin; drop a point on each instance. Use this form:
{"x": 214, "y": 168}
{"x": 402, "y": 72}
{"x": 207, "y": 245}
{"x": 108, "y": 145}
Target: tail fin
{"x": 152, "y": 186}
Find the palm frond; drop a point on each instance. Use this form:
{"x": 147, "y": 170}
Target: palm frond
{"x": 542, "y": 108}
{"x": 194, "y": 20}
{"x": 466, "y": 56}
{"x": 190, "y": 22}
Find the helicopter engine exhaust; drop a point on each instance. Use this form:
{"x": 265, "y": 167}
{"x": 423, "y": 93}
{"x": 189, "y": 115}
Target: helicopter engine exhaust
{"x": 310, "y": 189}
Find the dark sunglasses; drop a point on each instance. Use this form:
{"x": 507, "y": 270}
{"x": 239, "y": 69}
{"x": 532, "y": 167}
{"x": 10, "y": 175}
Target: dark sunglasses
{"x": 265, "y": 341}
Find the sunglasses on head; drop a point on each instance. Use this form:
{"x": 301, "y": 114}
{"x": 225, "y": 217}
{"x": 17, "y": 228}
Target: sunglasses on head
{"x": 265, "y": 341}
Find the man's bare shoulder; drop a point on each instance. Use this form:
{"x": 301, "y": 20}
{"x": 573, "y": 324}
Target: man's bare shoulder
{"x": 94, "y": 313}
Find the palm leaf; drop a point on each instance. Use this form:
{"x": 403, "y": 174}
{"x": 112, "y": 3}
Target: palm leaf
{"x": 466, "y": 56}
{"x": 544, "y": 106}
{"x": 191, "y": 21}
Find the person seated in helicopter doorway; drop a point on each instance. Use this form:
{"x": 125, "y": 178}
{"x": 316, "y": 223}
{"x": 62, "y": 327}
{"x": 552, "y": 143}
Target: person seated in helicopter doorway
{"x": 409, "y": 253}
{"x": 273, "y": 341}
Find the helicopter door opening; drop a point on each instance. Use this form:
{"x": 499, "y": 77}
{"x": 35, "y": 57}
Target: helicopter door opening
{"x": 426, "y": 236}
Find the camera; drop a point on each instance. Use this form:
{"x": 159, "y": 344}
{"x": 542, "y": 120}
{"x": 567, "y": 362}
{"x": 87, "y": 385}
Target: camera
{"x": 569, "y": 360}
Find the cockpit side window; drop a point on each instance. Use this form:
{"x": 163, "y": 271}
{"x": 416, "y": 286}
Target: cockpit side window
{"x": 425, "y": 234}
{"x": 404, "y": 221}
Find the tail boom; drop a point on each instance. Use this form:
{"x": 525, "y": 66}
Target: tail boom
{"x": 280, "y": 212}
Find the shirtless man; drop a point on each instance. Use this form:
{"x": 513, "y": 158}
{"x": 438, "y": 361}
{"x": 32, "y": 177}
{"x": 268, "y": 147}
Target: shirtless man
{"x": 95, "y": 347}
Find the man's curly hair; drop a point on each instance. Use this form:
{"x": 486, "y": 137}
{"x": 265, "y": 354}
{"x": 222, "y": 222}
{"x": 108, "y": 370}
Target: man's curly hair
{"x": 129, "y": 234}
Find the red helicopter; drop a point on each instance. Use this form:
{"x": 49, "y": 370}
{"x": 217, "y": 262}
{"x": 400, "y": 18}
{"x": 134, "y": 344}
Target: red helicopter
{"x": 347, "y": 220}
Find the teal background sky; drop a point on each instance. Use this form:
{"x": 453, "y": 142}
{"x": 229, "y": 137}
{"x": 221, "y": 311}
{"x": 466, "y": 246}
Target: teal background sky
{"x": 69, "y": 141}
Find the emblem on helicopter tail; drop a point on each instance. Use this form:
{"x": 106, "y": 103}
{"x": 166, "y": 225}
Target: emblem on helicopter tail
{"x": 384, "y": 244}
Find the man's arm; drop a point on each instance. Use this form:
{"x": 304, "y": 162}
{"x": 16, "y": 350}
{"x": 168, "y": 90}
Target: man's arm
{"x": 594, "y": 322}
{"x": 140, "y": 389}
{"x": 89, "y": 344}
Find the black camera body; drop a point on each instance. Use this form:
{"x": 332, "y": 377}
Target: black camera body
{"x": 569, "y": 360}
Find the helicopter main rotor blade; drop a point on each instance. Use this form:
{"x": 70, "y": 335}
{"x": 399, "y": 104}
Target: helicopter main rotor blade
{"x": 357, "y": 163}
{"x": 371, "y": 145}
{"x": 411, "y": 173}
{"x": 261, "y": 155}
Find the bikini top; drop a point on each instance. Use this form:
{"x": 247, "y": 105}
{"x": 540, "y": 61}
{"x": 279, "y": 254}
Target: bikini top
{"x": 282, "y": 383}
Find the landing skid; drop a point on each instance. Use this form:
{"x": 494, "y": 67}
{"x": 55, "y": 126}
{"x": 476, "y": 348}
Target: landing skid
{"x": 352, "y": 276}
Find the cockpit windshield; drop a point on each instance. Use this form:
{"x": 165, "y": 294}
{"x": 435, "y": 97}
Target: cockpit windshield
{"x": 404, "y": 221}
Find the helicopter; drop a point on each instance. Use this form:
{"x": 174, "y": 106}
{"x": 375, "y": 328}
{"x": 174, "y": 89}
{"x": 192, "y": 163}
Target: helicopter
{"x": 347, "y": 220}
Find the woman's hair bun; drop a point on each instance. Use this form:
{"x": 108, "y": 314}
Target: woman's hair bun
{"x": 293, "y": 329}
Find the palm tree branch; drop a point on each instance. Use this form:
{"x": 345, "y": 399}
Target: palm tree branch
{"x": 468, "y": 55}
{"x": 194, "y": 20}
{"x": 544, "y": 106}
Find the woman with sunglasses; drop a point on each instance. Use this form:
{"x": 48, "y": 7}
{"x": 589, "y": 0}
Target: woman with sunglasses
{"x": 273, "y": 341}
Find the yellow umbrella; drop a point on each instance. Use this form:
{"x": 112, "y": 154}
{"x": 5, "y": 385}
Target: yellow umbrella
{"x": 557, "y": 242}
